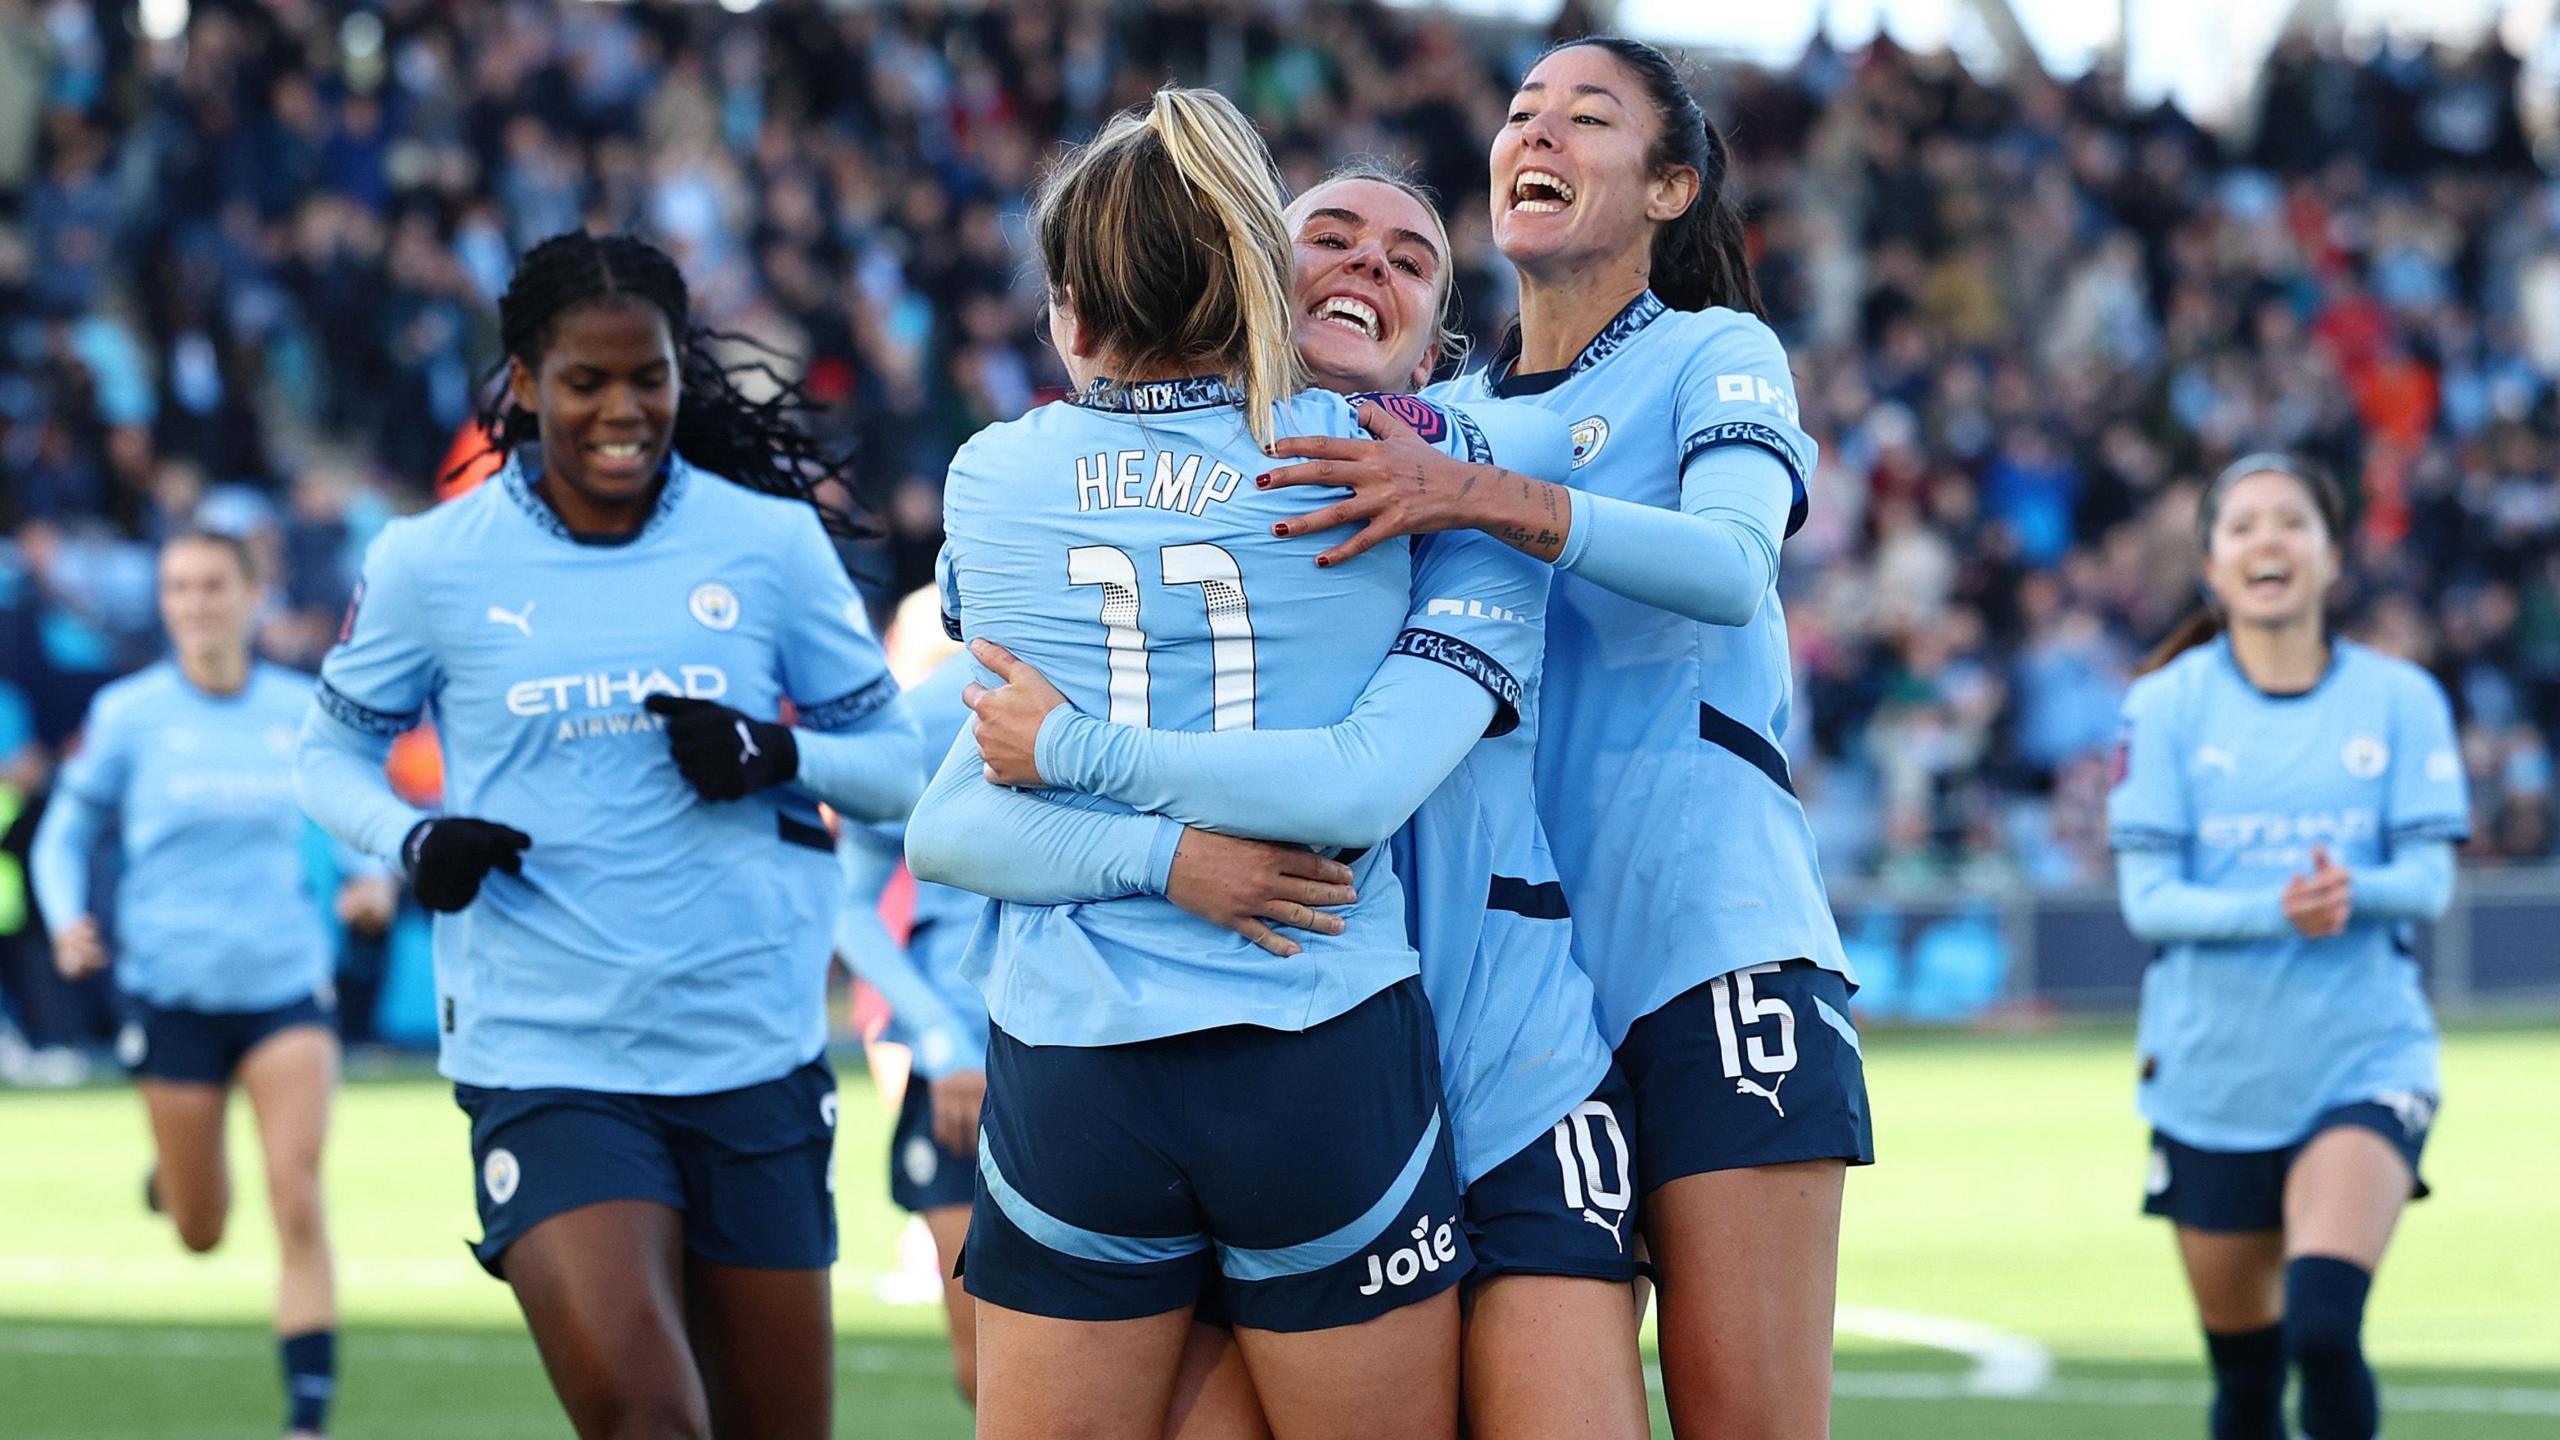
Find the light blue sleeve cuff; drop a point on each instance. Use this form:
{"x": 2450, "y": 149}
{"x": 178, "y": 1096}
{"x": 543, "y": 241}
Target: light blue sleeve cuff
{"x": 337, "y": 775}
{"x": 1160, "y": 858}
{"x": 1018, "y": 846}
{"x": 1057, "y": 753}
{"x": 871, "y": 773}
{"x": 2416, "y": 885}
{"x": 1577, "y": 538}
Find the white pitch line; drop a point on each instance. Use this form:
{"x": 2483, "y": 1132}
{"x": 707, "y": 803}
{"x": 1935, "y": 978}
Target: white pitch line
{"x": 2005, "y": 1366}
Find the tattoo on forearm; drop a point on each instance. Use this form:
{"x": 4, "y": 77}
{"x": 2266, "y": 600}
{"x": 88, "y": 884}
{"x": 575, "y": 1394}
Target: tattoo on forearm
{"x": 1544, "y": 537}
{"x": 1514, "y": 535}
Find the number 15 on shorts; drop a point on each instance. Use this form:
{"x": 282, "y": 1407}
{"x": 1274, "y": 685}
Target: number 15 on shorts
{"x": 1738, "y": 1008}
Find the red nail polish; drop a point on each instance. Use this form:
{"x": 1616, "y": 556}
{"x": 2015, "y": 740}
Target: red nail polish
{"x": 1262, "y": 481}
{"x": 1323, "y": 563}
{"x": 1280, "y": 529}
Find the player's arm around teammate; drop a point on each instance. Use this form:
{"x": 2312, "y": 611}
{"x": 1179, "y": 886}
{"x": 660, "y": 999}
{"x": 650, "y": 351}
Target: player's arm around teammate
{"x": 635, "y": 892}
{"x": 2285, "y": 808}
{"x": 1711, "y": 945}
{"x": 224, "y": 961}
{"x": 1549, "y": 1328}
{"x": 1152, "y": 1082}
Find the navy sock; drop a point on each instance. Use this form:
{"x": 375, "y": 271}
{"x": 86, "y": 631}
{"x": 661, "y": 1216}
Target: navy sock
{"x": 2248, "y": 1383}
{"x": 310, "y": 1374}
{"x": 2324, "y": 1336}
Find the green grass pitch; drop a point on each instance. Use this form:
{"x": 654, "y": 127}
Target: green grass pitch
{"x": 1996, "y": 1237}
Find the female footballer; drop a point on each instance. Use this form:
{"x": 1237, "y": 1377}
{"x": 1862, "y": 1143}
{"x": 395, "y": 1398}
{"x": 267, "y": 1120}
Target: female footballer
{"x": 2286, "y": 811}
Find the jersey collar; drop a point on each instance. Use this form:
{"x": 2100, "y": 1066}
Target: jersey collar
{"x": 2231, "y": 662}
{"x": 1639, "y": 312}
{"x": 1158, "y": 397}
{"x": 524, "y": 467}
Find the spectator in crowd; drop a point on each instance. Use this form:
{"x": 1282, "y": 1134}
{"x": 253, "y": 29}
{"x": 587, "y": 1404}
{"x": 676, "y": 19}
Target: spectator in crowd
{"x": 249, "y": 274}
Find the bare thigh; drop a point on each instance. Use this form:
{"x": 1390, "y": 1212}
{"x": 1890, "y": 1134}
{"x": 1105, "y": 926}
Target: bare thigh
{"x": 1046, "y": 1379}
{"x": 1749, "y": 1264}
{"x": 194, "y": 1176}
{"x": 949, "y": 1225}
{"x": 1552, "y": 1355}
{"x": 290, "y": 1078}
{"x": 1213, "y": 1398}
{"x": 1396, "y": 1375}
{"x": 765, "y": 1344}
{"x": 2344, "y": 1196}
{"x": 602, "y": 1287}
{"x": 2237, "y": 1277}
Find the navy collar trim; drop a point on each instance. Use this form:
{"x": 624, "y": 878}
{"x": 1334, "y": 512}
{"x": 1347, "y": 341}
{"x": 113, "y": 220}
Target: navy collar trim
{"x": 1639, "y": 312}
{"x": 2231, "y": 658}
{"x": 524, "y": 467}
{"x": 1158, "y": 397}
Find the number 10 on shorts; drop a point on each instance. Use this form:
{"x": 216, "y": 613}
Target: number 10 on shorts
{"x": 1588, "y": 1183}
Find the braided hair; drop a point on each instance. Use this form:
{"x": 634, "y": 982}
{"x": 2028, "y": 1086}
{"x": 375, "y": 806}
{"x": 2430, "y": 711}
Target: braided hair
{"x": 759, "y": 444}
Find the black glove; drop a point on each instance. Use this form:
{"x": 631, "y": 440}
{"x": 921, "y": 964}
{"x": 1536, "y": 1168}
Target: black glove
{"x": 447, "y": 858}
{"x": 722, "y": 753}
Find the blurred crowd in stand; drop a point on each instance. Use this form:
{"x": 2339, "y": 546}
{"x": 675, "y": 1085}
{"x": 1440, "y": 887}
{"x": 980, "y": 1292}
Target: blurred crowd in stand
{"x": 248, "y": 280}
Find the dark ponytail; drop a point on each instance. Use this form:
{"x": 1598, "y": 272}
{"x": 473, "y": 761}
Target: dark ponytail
{"x": 1699, "y": 259}
{"x": 2201, "y": 628}
{"x": 757, "y": 443}
{"x": 2207, "y": 623}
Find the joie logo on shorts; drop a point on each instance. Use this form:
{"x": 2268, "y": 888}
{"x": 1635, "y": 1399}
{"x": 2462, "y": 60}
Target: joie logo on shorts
{"x": 1430, "y": 1250}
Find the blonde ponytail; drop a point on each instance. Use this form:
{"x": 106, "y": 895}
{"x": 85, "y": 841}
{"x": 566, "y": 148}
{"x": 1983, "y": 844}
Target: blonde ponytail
{"x": 1166, "y": 234}
{"x": 1216, "y": 150}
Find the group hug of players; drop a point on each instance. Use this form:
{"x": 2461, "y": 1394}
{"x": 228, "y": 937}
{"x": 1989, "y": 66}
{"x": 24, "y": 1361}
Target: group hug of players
{"x": 1368, "y": 944}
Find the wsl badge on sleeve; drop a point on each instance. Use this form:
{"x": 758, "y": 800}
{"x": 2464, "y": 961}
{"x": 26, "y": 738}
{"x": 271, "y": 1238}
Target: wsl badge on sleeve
{"x": 1424, "y": 418}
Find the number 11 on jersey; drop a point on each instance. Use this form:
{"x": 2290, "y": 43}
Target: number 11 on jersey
{"x": 1221, "y": 583}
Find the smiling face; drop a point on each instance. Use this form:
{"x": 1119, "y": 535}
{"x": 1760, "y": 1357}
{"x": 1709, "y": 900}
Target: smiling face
{"x": 1573, "y": 178}
{"x": 2270, "y": 558}
{"x": 605, "y": 392}
{"x": 1372, "y": 278}
{"x": 206, "y": 599}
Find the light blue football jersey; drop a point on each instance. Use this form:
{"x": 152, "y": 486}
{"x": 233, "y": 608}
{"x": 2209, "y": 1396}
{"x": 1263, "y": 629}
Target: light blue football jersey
{"x": 214, "y": 906}
{"x": 933, "y": 1009}
{"x": 2245, "y": 1044}
{"x": 1661, "y": 777}
{"x": 656, "y": 943}
{"x": 1520, "y": 1041}
{"x": 1117, "y": 542}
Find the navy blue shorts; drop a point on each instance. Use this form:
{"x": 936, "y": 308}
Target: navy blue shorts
{"x": 752, "y": 1169}
{"x": 1566, "y": 1204}
{"x": 1759, "y": 1067}
{"x": 205, "y": 1047}
{"x": 923, "y": 1175}
{"x": 2243, "y": 1190}
{"x": 1300, "y": 1179}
